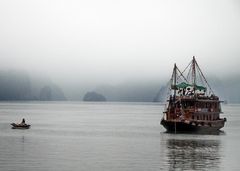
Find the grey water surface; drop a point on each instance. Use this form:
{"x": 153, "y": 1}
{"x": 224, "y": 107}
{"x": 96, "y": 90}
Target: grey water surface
{"x": 110, "y": 136}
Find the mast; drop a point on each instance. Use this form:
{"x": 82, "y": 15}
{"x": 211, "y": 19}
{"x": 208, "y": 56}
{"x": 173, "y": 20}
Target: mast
{"x": 175, "y": 87}
{"x": 194, "y": 73}
{"x": 174, "y": 79}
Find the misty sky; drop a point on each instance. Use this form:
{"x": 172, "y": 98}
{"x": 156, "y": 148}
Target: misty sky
{"x": 114, "y": 41}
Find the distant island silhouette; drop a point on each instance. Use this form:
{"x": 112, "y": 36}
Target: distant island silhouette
{"x": 93, "y": 96}
{"x": 18, "y": 85}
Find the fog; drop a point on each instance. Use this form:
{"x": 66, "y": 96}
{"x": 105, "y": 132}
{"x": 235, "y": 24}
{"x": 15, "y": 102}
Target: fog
{"x": 111, "y": 42}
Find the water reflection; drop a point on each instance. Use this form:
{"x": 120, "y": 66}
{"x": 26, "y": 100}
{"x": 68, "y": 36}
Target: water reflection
{"x": 216, "y": 132}
{"x": 193, "y": 154}
{"x": 23, "y": 139}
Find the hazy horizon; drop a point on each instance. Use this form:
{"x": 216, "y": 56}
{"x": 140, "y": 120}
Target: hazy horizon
{"x": 111, "y": 42}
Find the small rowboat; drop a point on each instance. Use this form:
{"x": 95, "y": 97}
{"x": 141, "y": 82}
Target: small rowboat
{"x": 20, "y": 126}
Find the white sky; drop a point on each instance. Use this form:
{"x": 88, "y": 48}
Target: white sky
{"x": 113, "y": 41}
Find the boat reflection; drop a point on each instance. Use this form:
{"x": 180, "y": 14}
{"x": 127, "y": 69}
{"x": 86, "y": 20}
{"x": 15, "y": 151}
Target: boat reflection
{"x": 216, "y": 132}
{"x": 193, "y": 154}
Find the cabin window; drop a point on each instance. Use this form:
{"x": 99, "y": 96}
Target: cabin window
{"x": 187, "y": 104}
{"x": 207, "y": 117}
{"x": 197, "y": 117}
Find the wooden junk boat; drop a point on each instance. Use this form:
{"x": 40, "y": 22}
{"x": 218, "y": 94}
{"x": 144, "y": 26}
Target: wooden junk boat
{"x": 191, "y": 107}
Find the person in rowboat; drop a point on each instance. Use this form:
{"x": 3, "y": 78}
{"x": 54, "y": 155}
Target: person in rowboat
{"x": 23, "y": 122}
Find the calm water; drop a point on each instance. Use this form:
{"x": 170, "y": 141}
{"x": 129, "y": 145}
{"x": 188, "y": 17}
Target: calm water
{"x": 110, "y": 136}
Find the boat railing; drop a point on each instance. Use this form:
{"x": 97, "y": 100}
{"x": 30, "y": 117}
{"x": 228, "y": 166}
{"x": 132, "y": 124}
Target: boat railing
{"x": 184, "y": 97}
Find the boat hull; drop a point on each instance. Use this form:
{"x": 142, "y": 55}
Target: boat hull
{"x": 20, "y": 126}
{"x": 191, "y": 127}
